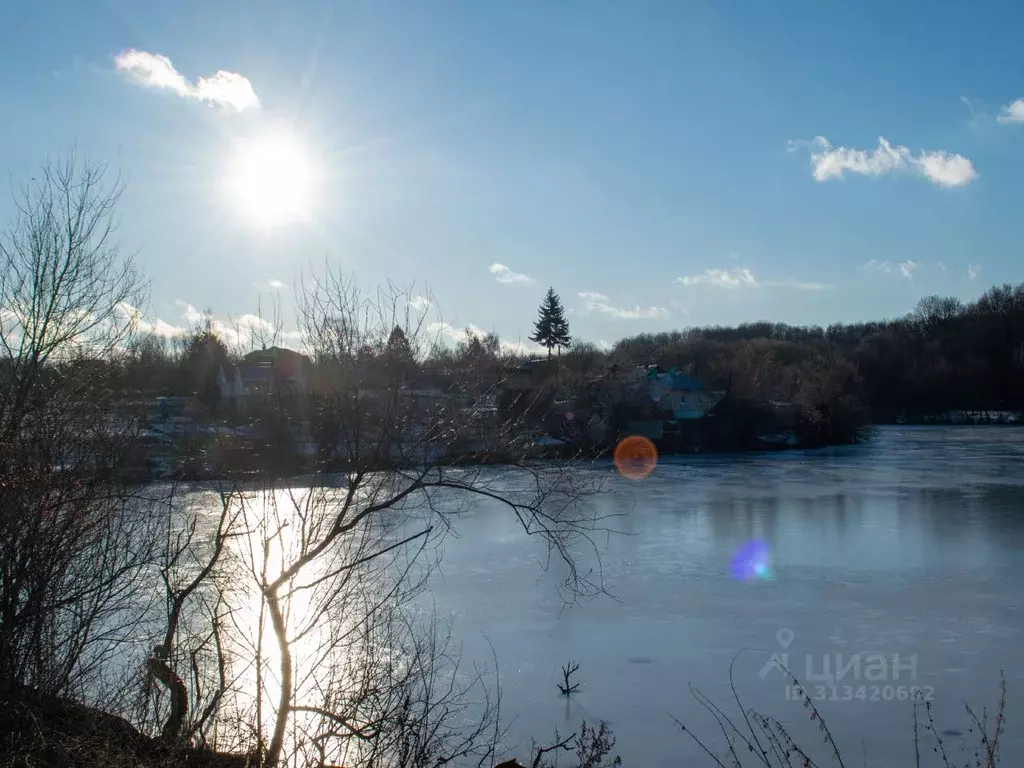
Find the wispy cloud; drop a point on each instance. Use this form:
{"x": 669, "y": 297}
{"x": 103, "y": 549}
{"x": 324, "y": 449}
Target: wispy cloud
{"x": 453, "y": 333}
{"x": 520, "y": 347}
{"x": 146, "y": 326}
{"x": 504, "y": 274}
{"x": 190, "y": 314}
{"x": 1012, "y": 112}
{"x": 598, "y": 302}
{"x": 241, "y": 332}
{"x": 978, "y": 117}
{"x": 419, "y": 303}
{"x": 942, "y": 168}
{"x": 722, "y": 278}
{"x": 908, "y": 268}
{"x": 743, "y": 277}
{"x": 799, "y": 285}
{"x": 874, "y": 265}
{"x": 153, "y": 70}
{"x": 457, "y": 334}
{"x": 973, "y": 270}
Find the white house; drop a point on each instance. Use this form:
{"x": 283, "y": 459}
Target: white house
{"x": 229, "y": 381}
{"x": 684, "y": 396}
{"x": 263, "y": 373}
{"x": 690, "y": 403}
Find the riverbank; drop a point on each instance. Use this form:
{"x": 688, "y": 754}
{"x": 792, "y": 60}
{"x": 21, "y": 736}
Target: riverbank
{"x": 964, "y": 417}
{"x": 729, "y": 431}
{"x": 54, "y": 732}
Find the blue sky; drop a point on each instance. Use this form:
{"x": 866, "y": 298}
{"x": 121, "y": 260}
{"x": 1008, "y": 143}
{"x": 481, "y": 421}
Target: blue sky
{"x": 656, "y": 162}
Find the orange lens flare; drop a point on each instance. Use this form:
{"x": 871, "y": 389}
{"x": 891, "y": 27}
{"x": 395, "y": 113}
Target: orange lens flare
{"x": 635, "y": 457}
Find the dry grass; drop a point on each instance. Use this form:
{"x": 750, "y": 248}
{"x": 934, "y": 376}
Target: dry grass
{"x": 755, "y": 739}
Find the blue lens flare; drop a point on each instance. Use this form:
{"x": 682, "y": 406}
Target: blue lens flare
{"x": 753, "y": 562}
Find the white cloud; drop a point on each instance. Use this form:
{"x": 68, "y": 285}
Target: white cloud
{"x": 973, "y": 270}
{"x": 878, "y": 266}
{"x": 275, "y": 284}
{"x": 908, "y": 267}
{"x": 460, "y": 334}
{"x": 947, "y": 170}
{"x": 420, "y": 303}
{"x": 248, "y": 331}
{"x": 597, "y": 302}
{"x": 799, "y": 285}
{"x": 190, "y": 314}
{"x": 145, "y": 326}
{"x": 152, "y": 70}
{"x": 504, "y": 274}
{"x": 241, "y": 333}
{"x": 292, "y": 340}
{"x": 227, "y": 89}
{"x": 722, "y": 278}
{"x": 521, "y": 348}
{"x": 250, "y": 324}
{"x": 942, "y": 168}
{"x": 1012, "y": 112}
{"x": 635, "y": 313}
{"x": 743, "y": 277}
{"x": 161, "y": 328}
{"x": 450, "y": 332}
{"x": 831, "y": 163}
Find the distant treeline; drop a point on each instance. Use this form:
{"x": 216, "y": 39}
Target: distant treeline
{"x": 944, "y": 355}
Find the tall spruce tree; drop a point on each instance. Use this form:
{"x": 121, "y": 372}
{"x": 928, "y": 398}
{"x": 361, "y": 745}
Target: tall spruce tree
{"x": 551, "y": 329}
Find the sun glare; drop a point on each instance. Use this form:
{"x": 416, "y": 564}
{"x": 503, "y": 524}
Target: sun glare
{"x": 271, "y": 181}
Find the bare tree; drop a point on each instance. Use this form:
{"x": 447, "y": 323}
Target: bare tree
{"x": 339, "y": 669}
{"x": 72, "y": 544}
{"x": 567, "y": 687}
{"x": 292, "y": 629}
{"x": 191, "y": 646}
{"x": 66, "y": 291}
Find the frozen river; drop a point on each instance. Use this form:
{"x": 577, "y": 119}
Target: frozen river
{"x": 904, "y": 557}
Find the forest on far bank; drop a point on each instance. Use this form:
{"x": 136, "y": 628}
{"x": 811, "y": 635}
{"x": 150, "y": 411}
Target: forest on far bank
{"x": 943, "y": 355}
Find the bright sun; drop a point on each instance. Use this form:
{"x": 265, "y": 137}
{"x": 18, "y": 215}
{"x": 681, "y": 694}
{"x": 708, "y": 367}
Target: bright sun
{"x": 271, "y": 181}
